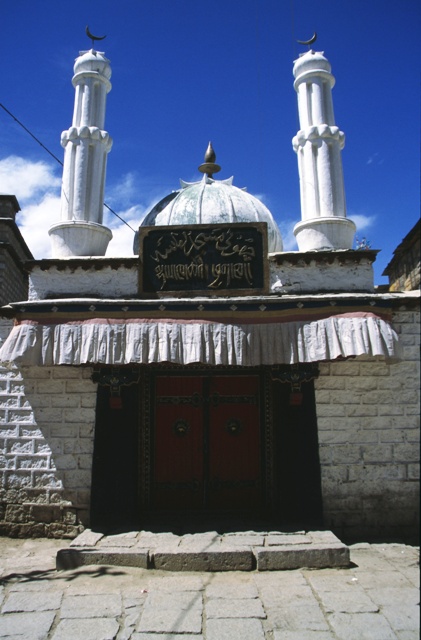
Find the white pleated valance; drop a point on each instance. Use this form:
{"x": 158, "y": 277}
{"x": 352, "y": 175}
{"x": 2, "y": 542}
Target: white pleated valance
{"x": 109, "y": 342}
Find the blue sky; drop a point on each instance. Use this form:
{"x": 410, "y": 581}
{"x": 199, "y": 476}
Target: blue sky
{"x": 186, "y": 72}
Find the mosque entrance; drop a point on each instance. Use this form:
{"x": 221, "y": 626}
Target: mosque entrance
{"x": 203, "y": 448}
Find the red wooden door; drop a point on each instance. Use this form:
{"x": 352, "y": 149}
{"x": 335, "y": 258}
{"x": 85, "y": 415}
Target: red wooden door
{"x": 234, "y": 443}
{"x": 178, "y": 434}
{"x": 207, "y": 443}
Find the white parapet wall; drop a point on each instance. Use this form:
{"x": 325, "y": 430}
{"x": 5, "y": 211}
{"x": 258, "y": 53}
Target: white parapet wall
{"x": 289, "y": 273}
{"x": 298, "y": 272}
{"x": 83, "y": 277}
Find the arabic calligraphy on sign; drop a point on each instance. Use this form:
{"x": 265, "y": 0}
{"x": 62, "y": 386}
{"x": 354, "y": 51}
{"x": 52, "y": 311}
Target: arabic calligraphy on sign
{"x": 223, "y": 274}
{"x": 203, "y": 258}
{"x": 188, "y": 241}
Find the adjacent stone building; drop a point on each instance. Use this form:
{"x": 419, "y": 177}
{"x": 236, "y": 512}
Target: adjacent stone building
{"x": 404, "y": 269}
{"x": 211, "y": 380}
{"x": 14, "y": 252}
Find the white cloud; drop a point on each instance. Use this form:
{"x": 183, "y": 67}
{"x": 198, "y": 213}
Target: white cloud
{"x": 122, "y": 192}
{"x": 34, "y": 221}
{"x": 262, "y": 197}
{"x": 37, "y": 188}
{"x": 287, "y": 233}
{"x": 123, "y": 236}
{"x": 375, "y": 159}
{"x": 26, "y": 179}
{"x": 362, "y": 221}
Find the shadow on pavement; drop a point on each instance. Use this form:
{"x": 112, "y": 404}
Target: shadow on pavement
{"x": 52, "y": 574}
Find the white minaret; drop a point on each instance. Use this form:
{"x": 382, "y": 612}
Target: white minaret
{"x": 318, "y": 145}
{"x": 86, "y": 144}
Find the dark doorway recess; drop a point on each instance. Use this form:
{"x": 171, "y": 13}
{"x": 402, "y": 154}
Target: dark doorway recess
{"x": 189, "y": 449}
{"x": 114, "y": 495}
{"x": 299, "y": 493}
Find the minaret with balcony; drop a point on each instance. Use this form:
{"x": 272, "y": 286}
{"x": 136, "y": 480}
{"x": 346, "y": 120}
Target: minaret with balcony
{"x": 318, "y": 145}
{"x": 86, "y": 146}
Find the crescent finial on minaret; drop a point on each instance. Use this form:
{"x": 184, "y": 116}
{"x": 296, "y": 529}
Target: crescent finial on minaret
{"x": 92, "y": 37}
{"x": 309, "y": 42}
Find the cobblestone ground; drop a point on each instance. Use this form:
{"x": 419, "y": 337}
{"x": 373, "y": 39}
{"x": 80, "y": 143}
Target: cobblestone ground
{"x": 376, "y": 599}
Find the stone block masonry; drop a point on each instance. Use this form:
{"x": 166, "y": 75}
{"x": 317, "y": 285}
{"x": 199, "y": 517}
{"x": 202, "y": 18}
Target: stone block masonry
{"x": 47, "y": 420}
{"x": 368, "y": 422}
{"x": 13, "y": 253}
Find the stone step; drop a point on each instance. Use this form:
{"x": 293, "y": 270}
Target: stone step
{"x": 242, "y": 551}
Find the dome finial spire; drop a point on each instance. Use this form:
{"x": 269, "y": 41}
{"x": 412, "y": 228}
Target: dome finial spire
{"x": 209, "y": 167}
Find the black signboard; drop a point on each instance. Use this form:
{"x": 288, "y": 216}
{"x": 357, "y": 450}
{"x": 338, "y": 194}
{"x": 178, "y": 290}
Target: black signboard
{"x": 204, "y": 259}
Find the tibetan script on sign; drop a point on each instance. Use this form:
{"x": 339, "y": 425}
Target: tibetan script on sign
{"x": 205, "y": 259}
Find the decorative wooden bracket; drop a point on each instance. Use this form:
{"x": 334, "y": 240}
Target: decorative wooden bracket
{"x": 115, "y": 378}
{"x": 295, "y": 375}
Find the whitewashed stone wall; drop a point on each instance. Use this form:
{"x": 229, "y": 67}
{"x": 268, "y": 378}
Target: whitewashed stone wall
{"x": 368, "y": 421}
{"x": 47, "y": 421}
{"x": 81, "y": 280}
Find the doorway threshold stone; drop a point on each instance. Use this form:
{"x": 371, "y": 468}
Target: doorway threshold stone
{"x": 210, "y": 551}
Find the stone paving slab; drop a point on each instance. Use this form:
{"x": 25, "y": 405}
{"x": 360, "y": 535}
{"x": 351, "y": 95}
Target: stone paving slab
{"x": 165, "y": 636}
{"x": 386, "y": 578}
{"x": 72, "y": 558}
{"x": 93, "y": 629}
{"x": 149, "y": 539}
{"x": 272, "y": 540}
{"x": 245, "y": 540}
{"x": 176, "y": 582}
{"x": 301, "y": 555}
{"x": 87, "y": 538}
{"x": 298, "y": 618}
{"x": 232, "y": 591}
{"x": 207, "y": 536}
{"x": 361, "y": 626}
{"x": 298, "y": 635}
{"x": 333, "y": 580}
{"x": 39, "y": 586}
{"x": 209, "y": 551}
{"x": 32, "y": 601}
{"x": 401, "y": 596}
{"x": 351, "y": 601}
{"x": 212, "y": 558}
{"x": 322, "y": 537}
{"x": 181, "y": 600}
{"x": 222, "y": 608}
{"x": 160, "y": 620}
{"x": 33, "y": 625}
{"x": 91, "y": 606}
{"x": 293, "y": 596}
{"x": 402, "y": 617}
{"x": 219, "y": 629}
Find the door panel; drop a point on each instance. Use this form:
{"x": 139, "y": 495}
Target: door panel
{"x": 207, "y": 443}
{"x": 178, "y": 460}
{"x": 234, "y": 443}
